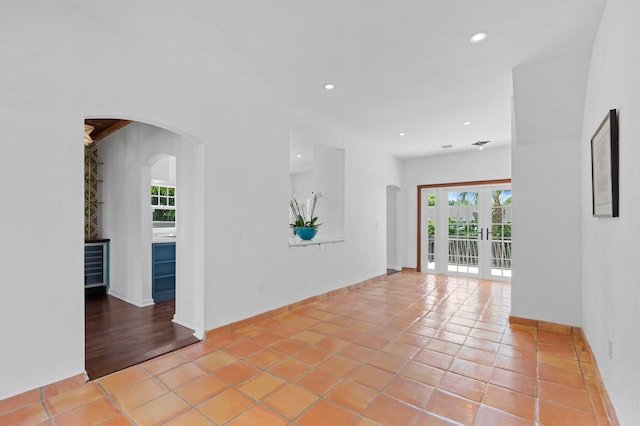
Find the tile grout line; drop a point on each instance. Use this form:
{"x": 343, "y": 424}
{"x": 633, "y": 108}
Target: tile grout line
{"x": 115, "y": 403}
{"x": 44, "y": 405}
{"x": 486, "y": 387}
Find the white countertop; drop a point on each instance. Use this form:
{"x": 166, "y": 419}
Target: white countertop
{"x": 164, "y": 238}
{"x": 297, "y": 242}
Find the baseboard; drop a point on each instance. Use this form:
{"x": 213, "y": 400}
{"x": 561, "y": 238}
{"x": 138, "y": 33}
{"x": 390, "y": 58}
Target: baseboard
{"x": 141, "y": 304}
{"x": 394, "y": 267}
{"x": 41, "y": 393}
{"x": 408, "y": 269}
{"x": 578, "y": 333}
{"x": 228, "y": 328}
{"x": 197, "y": 333}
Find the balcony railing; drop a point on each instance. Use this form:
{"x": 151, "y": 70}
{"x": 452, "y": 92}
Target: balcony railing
{"x": 464, "y": 251}
{"x": 501, "y": 253}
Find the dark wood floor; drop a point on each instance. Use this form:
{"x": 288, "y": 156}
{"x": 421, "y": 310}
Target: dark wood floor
{"x": 119, "y": 335}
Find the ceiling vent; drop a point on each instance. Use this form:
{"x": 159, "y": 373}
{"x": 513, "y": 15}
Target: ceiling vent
{"x": 480, "y": 144}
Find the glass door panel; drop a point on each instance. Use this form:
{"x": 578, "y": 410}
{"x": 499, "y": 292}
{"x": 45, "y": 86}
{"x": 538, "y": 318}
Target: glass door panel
{"x": 431, "y": 215}
{"x": 462, "y": 241}
{"x": 500, "y": 236}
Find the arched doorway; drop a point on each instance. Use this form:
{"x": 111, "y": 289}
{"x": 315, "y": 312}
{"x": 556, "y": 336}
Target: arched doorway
{"x": 125, "y": 219}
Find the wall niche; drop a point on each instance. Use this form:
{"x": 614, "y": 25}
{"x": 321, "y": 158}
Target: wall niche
{"x": 315, "y": 167}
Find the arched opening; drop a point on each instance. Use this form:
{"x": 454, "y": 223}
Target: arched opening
{"x": 129, "y": 167}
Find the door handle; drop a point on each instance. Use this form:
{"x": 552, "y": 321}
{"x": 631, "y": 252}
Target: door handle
{"x": 482, "y": 234}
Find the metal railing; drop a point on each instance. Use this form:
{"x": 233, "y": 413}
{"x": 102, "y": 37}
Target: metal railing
{"x": 464, "y": 251}
{"x": 501, "y": 253}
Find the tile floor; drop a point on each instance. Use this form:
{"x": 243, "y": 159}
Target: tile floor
{"x": 408, "y": 349}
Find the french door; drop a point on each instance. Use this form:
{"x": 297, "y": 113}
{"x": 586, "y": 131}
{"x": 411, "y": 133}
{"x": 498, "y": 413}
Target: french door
{"x": 466, "y": 230}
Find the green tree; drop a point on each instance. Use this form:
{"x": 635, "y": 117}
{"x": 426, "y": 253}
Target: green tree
{"x": 500, "y": 228}
{"x": 160, "y": 215}
{"x": 465, "y": 199}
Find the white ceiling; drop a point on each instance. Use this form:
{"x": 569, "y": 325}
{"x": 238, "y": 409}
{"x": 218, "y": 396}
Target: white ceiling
{"x": 397, "y": 65}
{"x": 405, "y": 65}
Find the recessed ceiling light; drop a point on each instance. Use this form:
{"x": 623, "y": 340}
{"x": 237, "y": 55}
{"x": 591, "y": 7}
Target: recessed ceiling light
{"x": 466, "y": 123}
{"x": 402, "y": 134}
{"x": 299, "y": 156}
{"x": 329, "y": 86}
{"x": 478, "y": 37}
{"x": 446, "y": 146}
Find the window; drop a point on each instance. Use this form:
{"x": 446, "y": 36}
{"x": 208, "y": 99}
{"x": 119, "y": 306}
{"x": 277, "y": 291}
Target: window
{"x": 163, "y": 202}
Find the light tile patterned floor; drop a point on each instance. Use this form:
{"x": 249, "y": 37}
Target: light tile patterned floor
{"x": 409, "y": 349}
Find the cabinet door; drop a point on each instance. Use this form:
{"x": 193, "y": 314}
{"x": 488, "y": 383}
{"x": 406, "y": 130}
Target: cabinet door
{"x": 163, "y": 272}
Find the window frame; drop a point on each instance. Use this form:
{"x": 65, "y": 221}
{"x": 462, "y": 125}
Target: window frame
{"x": 165, "y": 198}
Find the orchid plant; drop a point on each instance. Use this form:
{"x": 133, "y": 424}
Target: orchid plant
{"x": 304, "y": 214}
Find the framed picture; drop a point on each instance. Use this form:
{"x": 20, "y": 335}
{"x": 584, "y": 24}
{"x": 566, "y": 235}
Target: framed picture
{"x": 604, "y": 167}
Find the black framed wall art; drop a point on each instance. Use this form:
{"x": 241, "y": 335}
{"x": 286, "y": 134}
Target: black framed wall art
{"x": 604, "y": 167}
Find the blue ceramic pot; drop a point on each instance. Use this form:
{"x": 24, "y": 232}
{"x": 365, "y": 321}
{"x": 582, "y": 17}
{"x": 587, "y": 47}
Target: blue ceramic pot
{"x": 306, "y": 233}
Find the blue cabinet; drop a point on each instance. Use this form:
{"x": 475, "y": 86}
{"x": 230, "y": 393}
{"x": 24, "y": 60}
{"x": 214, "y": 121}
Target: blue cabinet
{"x": 96, "y": 265}
{"x": 163, "y": 271}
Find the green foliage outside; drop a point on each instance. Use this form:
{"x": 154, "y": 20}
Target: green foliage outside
{"x": 462, "y": 227}
{"x": 500, "y": 229}
{"x": 164, "y": 215}
{"x": 163, "y": 196}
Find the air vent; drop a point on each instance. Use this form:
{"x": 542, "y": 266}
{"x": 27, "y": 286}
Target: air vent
{"x": 480, "y": 144}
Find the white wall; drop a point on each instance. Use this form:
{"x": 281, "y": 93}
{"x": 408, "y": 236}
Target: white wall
{"x": 392, "y": 227}
{"x": 145, "y": 72}
{"x": 473, "y": 165}
{"x": 190, "y": 243}
{"x": 164, "y": 171}
{"x": 329, "y": 179}
{"x": 41, "y": 270}
{"x": 611, "y": 288}
{"x": 302, "y": 184}
{"x": 548, "y": 103}
{"x": 250, "y": 255}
